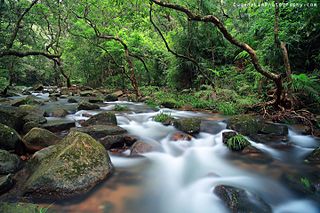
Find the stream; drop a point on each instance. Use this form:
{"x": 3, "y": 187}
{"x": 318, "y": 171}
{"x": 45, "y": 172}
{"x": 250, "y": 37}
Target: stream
{"x": 180, "y": 177}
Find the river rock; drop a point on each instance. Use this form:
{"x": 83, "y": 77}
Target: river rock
{"x": 87, "y": 93}
{"x": 69, "y": 168}
{"x": 9, "y": 138}
{"x": 12, "y": 117}
{"x": 84, "y": 105}
{"x": 37, "y": 139}
{"x": 314, "y": 156}
{"x": 59, "y": 125}
{"x": 20, "y": 208}
{"x": 29, "y": 125}
{"x": 34, "y": 117}
{"x": 188, "y": 125}
{"x": 111, "y": 97}
{"x": 38, "y": 87}
{"x": 141, "y": 147}
{"x": 180, "y": 136}
{"x": 117, "y": 141}
{"x": 30, "y": 100}
{"x": 239, "y": 200}
{"x": 6, "y": 183}
{"x": 59, "y": 112}
{"x": 9, "y": 163}
{"x": 234, "y": 141}
{"x": 104, "y": 118}
{"x": 95, "y": 100}
{"x": 258, "y": 129}
{"x": 100, "y": 131}
{"x": 72, "y": 100}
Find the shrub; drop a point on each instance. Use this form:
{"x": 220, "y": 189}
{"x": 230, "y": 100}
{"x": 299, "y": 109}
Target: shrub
{"x": 237, "y": 142}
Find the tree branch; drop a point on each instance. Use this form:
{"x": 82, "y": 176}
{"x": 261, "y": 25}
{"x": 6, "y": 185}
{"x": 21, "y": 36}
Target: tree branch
{"x": 21, "y": 54}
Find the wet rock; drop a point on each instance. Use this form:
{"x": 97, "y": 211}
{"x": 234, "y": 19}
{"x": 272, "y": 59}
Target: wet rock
{"x": 20, "y": 207}
{"x": 59, "y": 112}
{"x": 301, "y": 129}
{"x": 104, "y": 118}
{"x": 234, "y": 141}
{"x": 12, "y": 117}
{"x": 72, "y": 100}
{"x": 188, "y": 125}
{"x": 9, "y": 138}
{"x": 69, "y": 168}
{"x": 258, "y": 130}
{"x": 212, "y": 127}
{"x": 239, "y": 200}
{"x": 180, "y": 136}
{"x": 34, "y": 117}
{"x": 55, "y": 94}
{"x": 6, "y": 183}
{"x": 87, "y": 106}
{"x": 111, "y": 97}
{"x": 95, "y": 100}
{"x": 100, "y": 131}
{"x": 29, "y": 100}
{"x": 117, "y": 141}
{"x": 38, "y": 87}
{"x": 29, "y": 125}
{"x": 59, "y": 125}
{"x": 38, "y": 138}
{"x": 117, "y": 93}
{"x": 9, "y": 163}
{"x": 141, "y": 147}
{"x": 314, "y": 156}
{"x": 28, "y": 109}
{"x": 87, "y": 93}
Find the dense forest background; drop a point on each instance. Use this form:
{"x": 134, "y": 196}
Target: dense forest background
{"x": 161, "y": 51}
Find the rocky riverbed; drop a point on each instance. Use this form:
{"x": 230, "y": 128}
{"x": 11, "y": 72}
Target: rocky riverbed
{"x": 91, "y": 150}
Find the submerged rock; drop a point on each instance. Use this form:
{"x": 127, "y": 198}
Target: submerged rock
{"x": 141, "y": 147}
{"x": 37, "y": 139}
{"x": 104, "y": 118}
{"x": 9, "y": 138}
{"x": 314, "y": 156}
{"x": 100, "y": 131}
{"x": 69, "y": 168}
{"x": 180, "y": 136}
{"x": 87, "y": 106}
{"x": 188, "y": 125}
{"x": 238, "y": 200}
{"x": 9, "y": 163}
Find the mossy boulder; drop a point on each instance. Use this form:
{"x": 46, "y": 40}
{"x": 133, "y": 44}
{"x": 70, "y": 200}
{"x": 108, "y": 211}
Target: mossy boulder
{"x": 9, "y": 163}
{"x": 37, "y": 139}
{"x": 239, "y": 200}
{"x": 69, "y": 168}
{"x": 111, "y": 97}
{"x": 188, "y": 125}
{"x": 58, "y": 125}
{"x": 314, "y": 156}
{"x": 20, "y": 208}
{"x": 9, "y": 138}
{"x": 104, "y": 118}
{"x": 99, "y": 131}
{"x": 12, "y": 117}
{"x": 30, "y": 100}
{"x": 165, "y": 119}
{"x": 234, "y": 141}
{"x": 257, "y": 129}
{"x": 6, "y": 183}
{"x": 84, "y": 105}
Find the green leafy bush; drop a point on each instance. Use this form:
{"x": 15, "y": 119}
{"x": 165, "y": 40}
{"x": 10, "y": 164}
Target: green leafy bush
{"x": 237, "y": 142}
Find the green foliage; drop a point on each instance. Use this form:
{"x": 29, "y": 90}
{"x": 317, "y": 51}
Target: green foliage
{"x": 227, "y": 108}
{"x": 119, "y": 107}
{"x": 310, "y": 86}
{"x": 162, "y": 117}
{"x": 237, "y": 142}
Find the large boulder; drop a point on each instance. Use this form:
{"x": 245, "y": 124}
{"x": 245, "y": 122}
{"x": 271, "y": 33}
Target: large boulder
{"x": 26, "y": 100}
{"x": 100, "y": 131}
{"x": 69, "y": 168}
{"x": 9, "y": 138}
{"x": 104, "y": 118}
{"x": 59, "y": 125}
{"x": 37, "y": 139}
{"x": 239, "y": 200}
{"x": 9, "y": 163}
{"x": 188, "y": 125}
{"x": 84, "y": 105}
{"x": 12, "y": 117}
{"x": 258, "y": 129}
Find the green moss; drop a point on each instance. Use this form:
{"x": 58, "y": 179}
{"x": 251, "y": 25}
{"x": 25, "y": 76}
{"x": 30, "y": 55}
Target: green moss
{"x": 305, "y": 182}
{"x": 162, "y": 117}
{"x": 119, "y": 107}
{"x": 237, "y": 142}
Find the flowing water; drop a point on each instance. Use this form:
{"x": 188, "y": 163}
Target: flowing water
{"x": 181, "y": 176}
